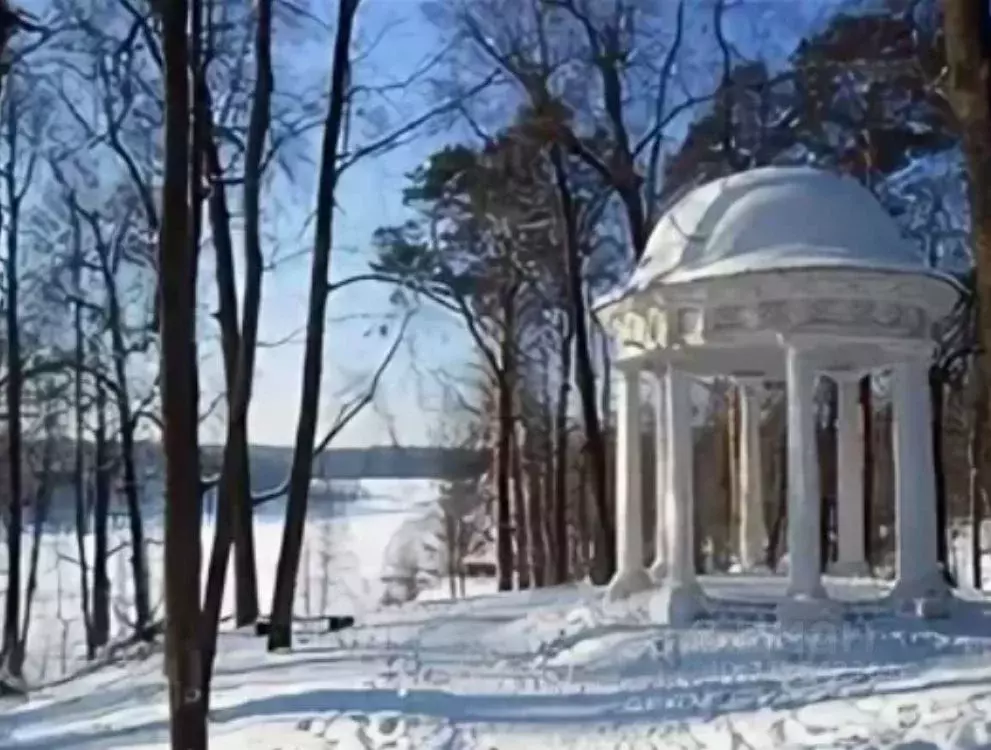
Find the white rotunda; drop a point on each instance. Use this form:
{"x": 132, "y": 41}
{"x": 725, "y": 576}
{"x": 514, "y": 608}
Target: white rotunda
{"x": 777, "y": 274}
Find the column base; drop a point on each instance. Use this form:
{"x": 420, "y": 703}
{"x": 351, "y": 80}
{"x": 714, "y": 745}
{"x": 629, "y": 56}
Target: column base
{"x": 626, "y": 583}
{"x": 927, "y": 598}
{"x": 658, "y": 572}
{"x": 805, "y": 610}
{"x": 815, "y": 593}
{"x": 850, "y": 569}
{"x": 677, "y": 604}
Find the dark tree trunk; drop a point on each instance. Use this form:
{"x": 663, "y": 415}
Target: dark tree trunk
{"x": 582, "y": 521}
{"x": 503, "y": 461}
{"x": 40, "y": 507}
{"x": 548, "y": 520}
{"x": 234, "y": 506}
{"x": 79, "y": 464}
{"x": 967, "y": 31}
{"x": 183, "y": 506}
{"x": 826, "y": 435}
{"x": 9, "y": 655}
{"x": 561, "y": 461}
{"x": 139, "y": 571}
{"x": 867, "y": 420}
{"x": 978, "y": 450}
{"x": 101, "y": 511}
{"x": 520, "y": 516}
{"x": 778, "y": 527}
{"x": 936, "y": 395}
{"x": 280, "y": 633}
{"x": 605, "y": 544}
{"x": 733, "y": 428}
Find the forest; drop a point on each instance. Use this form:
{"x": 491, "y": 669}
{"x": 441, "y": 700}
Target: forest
{"x": 147, "y": 150}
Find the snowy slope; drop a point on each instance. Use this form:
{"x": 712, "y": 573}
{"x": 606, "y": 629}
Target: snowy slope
{"x": 550, "y": 669}
{"x": 555, "y": 668}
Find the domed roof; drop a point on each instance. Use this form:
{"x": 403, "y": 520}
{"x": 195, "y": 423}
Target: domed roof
{"x": 771, "y": 219}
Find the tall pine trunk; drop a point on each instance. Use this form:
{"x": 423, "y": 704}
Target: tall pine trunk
{"x": 562, "y": 458}
{"x": 280, "y": 633}
{"x": 521, "y": 519}
{"x": 967, "y": 33}
{"x": 605, "y": 544}
{"x": 867, "y": 427}
{"x": 505, "y": 558}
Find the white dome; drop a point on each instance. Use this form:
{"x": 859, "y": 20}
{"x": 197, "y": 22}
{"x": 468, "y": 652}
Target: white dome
{"x": 774, "y": 218}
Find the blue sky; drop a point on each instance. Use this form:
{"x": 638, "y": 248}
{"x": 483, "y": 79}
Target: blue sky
{"x": 409, "y": 406}
{"x": 408, "y": 400}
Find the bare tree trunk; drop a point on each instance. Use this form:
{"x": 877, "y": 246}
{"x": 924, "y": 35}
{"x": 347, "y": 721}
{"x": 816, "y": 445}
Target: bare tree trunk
{"x": 183, "y": 507}
{"x": 561, "y": 460}
{"x": 978, "y": 454}
{"x": 234, "y": 507}
{"x": 733, "y": 495}
{"x": 967, "y": 31}
{"x": 40, "y": 508}
{"x": 581, "y": 518}
{"x": 585, "y": 376}
{"x": 937, "y": 396}
{"x": 867, "y": 426}
{"x": 535, "y": 509}
{"x": 548, "y": 520}
{"x": 280, "y": 634}
{"x": 779, "y": 526}
{"x": 101, "y": 512}
{"x": 504, "y": 441}
{"x": 15, "y": 377}
{"x": 79, "y": 464}
{"x": 132, "y": 492}
{"x": 826, "y": 436}
{"x": 520, "y": 517}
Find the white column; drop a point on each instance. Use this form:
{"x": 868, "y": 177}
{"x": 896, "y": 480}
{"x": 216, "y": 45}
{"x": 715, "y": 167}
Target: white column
{"x": 806, "y": 597}
{"x": 680, "y": 599}
{"x": 659, "y": 569}
{"x": 631, "y": 575}
{"x": 851, "y": 559}
{"x": 915, "y": 486}
{"x": 753, "y": 534}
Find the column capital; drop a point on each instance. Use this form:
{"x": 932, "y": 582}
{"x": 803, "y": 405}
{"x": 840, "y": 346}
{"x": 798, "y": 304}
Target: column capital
{"x": 918, "y": 353}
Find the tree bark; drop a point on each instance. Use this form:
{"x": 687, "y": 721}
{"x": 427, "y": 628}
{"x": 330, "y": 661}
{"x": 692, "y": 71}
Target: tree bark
{"x": 977, "y": 450}
{"x": 280, "y": 633}
{"x": 234, "y": 507}
{"x": 867, "y": 427}
{"x": 520, "y": 515}
{"x": 139, "y": 570}
{"x": 101, "y": 512}
{"x": 561, "y": 461}
{"x": 11, "y": 638}
{"x": 967, "y": 32}
{"x": 503, "y": 460}
{"x": 177, "y": 268}
{"x": 937, "y": 396}
{"x": 605, "y": 545}
{"x": 79, "y": 464}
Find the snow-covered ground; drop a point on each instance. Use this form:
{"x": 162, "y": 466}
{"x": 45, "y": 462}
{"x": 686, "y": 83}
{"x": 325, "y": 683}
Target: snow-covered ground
{"x": 550, "y": 669}
{"x": 340, "y": 567}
